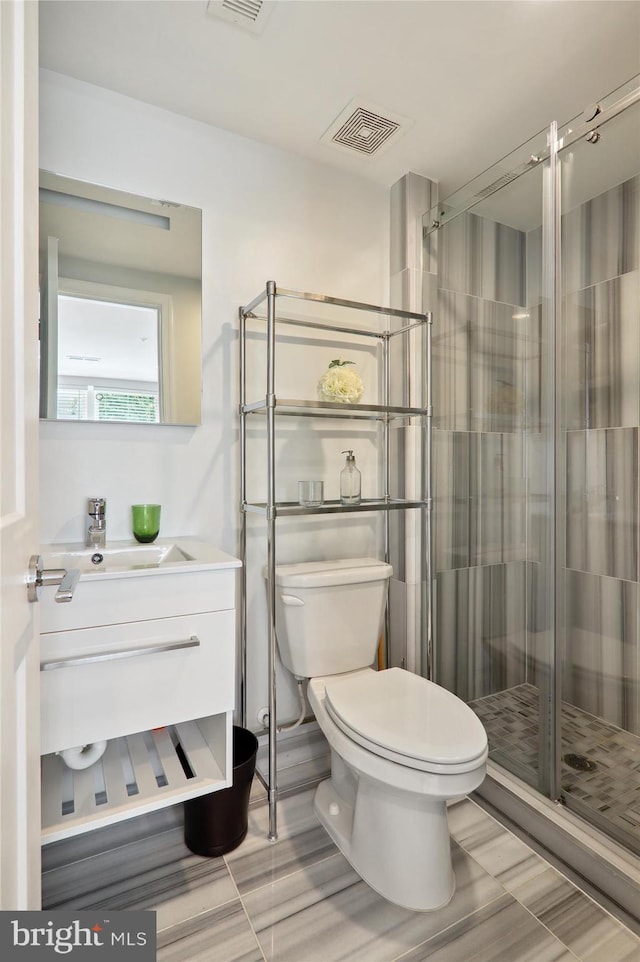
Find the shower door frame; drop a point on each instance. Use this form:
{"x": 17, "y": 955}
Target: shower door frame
{"x": 550, "y": 721}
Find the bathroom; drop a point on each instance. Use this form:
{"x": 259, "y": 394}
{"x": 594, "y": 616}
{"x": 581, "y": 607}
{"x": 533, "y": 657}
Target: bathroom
{"x": 300, "y": 223}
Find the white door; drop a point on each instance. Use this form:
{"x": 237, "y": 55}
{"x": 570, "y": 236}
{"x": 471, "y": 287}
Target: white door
{"x": 19, "y": 662}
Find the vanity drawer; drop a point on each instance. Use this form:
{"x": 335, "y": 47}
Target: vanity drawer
{"x": 100, "y": 683}
{"x": 143, "y": 595}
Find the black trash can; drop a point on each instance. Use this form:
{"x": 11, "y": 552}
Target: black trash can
{"x": 216, "y": 823}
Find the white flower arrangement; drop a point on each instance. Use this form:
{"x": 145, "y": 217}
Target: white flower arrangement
{"x": 340, "y": 383}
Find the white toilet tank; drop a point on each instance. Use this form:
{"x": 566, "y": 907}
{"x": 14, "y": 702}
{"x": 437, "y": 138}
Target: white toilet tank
{"x": 329, "y": 614}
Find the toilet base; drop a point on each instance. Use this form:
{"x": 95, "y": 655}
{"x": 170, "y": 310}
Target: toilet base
{"x": 398, "y": 842}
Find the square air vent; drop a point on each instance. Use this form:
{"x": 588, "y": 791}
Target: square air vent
{"x": 365, "y": 128}
{"x": 250, "y": 15}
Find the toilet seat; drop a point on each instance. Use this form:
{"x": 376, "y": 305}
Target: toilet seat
{"x": 406, "y": 719}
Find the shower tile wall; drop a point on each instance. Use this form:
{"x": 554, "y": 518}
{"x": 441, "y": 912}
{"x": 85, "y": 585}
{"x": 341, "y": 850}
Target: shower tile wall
{"x": 601, "y": 253}
{"x": 413, "y": 287}
{"x": 480, "y": 491}
{"x": 601, "y": 238}
{"x": 481, "y": 351}
{"x": 602, "y": 502}
{"x": 481, "y": 609}
{"x": 602, "y": 354}
{"x": 483, "y": 258}
{"x": 602, "y": 648}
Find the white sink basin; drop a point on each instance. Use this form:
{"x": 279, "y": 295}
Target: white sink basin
{"x": 125, "y": 558}
{"x": 117, "y": 557}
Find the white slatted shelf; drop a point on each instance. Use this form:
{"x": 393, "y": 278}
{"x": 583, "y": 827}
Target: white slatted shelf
{"x": 74, "y": 801}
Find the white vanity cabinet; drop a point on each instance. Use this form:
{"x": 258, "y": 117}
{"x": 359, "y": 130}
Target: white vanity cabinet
{"x": 143, "y": 657}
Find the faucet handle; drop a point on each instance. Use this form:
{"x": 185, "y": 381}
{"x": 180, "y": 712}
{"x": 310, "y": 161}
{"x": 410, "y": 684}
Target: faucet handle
{"x": 96, "y": 507}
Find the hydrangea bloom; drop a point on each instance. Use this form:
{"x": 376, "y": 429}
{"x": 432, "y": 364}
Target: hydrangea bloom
{"x": 340, "y": 383}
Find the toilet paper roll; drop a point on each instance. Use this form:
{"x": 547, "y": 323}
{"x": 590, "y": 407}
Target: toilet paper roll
{"x": 83, "y": 756}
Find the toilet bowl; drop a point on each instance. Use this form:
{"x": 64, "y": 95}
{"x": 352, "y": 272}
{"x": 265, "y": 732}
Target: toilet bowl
{"x": 391, "y": 776}
{"x": 401, "y": 746}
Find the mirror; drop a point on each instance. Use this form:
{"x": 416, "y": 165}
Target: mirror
{"x": 121, "y": 296}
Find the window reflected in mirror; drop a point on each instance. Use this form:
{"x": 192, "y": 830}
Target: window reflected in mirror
{"x": 107, "y": 360}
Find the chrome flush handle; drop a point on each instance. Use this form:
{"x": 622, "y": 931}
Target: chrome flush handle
{"x": 40, "y": 577}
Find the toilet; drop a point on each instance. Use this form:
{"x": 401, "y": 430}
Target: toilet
{"x": 401, "y": 746}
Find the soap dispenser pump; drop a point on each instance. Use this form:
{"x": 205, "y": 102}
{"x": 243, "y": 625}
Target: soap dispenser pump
{"x": 350, "y": 481}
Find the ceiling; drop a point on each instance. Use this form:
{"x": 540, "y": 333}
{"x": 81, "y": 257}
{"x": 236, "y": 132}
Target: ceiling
{"x": 470, "y": 80}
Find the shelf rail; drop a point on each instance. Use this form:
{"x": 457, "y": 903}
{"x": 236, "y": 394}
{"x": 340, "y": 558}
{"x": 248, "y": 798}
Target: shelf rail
{"x": 341, "y": 302}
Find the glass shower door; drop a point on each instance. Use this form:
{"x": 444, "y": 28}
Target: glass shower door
{"x": 598, "y": 438}
{"x": 494, "y": 457}
{"x": 536, "y": 350}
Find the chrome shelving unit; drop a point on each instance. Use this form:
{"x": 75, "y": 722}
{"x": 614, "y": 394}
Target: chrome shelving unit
{"x": 264, "y": 309}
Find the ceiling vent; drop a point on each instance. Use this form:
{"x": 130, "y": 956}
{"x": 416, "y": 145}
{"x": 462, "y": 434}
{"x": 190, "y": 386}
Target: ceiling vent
{"x": 365, "y": 129}
{"x": 250, "y": 15}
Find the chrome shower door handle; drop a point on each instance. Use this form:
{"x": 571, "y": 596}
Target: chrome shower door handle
{"x": 40, "y": 577}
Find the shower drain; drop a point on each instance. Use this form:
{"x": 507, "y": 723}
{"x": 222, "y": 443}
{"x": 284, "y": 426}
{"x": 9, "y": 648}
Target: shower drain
{"x": 580, "y": 762}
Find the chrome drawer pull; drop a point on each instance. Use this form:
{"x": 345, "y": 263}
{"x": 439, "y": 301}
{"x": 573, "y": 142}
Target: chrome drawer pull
{"x": 192, "y": 642}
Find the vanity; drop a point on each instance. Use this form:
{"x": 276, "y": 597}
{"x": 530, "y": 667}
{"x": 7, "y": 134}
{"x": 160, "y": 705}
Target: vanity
{"x": 144, "y": 658}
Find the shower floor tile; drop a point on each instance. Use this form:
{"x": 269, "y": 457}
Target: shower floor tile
{"x": 611, "y": 791}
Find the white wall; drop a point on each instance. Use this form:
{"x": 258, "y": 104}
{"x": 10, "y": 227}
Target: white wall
{"x": 267, "y": 214}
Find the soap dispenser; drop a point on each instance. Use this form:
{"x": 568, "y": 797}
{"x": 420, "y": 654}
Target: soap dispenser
{"x": 350, "y": 481}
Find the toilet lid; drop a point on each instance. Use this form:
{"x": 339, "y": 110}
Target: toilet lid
{"x": 407, "y": 715}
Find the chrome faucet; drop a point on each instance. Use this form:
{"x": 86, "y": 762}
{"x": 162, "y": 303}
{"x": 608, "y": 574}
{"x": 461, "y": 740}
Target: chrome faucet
{"x": 97, "y": 530}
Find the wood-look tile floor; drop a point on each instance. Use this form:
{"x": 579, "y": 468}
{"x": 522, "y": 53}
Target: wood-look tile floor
{"x": 299, "y": 900}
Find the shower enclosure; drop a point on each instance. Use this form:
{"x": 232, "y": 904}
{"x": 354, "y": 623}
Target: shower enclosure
{"x": 536, "y": 353}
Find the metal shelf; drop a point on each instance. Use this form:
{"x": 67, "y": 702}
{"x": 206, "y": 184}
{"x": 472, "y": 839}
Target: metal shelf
{"x": 333, "y": 409}
{"x": 334, "y": 315}
{"x": 330, "y": 325}
{"x": 284, "y": 509}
